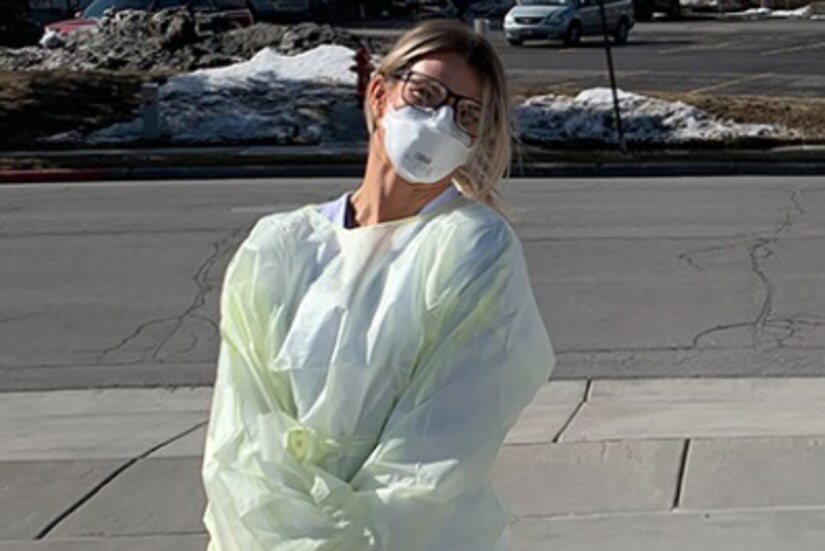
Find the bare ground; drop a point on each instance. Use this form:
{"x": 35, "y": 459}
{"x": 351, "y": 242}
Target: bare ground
{"x": 805, "y": 115}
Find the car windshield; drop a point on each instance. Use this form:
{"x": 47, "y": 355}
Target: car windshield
{"x": 96, "y": 9}
{"x": 546, "y": 2}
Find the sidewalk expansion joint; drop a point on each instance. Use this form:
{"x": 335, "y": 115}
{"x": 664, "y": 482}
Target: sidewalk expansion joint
{"x": 680, "y": 479}
{"x": 653, "y": 513}
{"x": 106, "y": 481}
{"x": 588, "y": 390}
{"x": 569, "y": 421}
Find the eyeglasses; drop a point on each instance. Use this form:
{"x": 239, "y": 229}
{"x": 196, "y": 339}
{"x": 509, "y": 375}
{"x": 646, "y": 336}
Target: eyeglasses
{"x": 428, "y": 94}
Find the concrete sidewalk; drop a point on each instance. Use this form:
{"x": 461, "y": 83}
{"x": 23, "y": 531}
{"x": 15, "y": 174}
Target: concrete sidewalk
{"x": 653, "y": 464}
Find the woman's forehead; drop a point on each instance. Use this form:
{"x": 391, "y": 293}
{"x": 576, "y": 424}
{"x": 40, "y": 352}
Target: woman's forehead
{"x": 454, "y": 71}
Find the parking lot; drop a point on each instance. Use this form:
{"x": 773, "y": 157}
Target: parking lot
{"x": 768, "y": 57}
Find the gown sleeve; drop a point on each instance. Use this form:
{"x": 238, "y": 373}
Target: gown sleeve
{"x": 484, "y": 356}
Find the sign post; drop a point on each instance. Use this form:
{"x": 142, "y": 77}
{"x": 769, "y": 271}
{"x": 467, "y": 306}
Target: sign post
{"x": 150, "y": 111}
{"x": 617, "y": 116}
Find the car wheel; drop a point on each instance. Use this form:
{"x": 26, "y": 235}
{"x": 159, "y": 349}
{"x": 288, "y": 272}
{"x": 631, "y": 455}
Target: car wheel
{"x": 574, "y": 34}
{"x": 622, "y": 30}
{"x": 515, "y": 41}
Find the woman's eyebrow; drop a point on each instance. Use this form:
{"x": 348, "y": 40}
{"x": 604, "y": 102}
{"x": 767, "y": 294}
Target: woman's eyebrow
{"x": 444, "y": 84}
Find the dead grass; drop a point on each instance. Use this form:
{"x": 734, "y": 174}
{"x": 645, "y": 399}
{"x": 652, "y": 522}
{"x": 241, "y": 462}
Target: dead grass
{"x": 38, "y": 104}
{"x": 807, "y": 115}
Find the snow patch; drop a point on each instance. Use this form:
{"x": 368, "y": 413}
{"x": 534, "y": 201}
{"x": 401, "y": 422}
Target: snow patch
{"x": 552, "y": 119}
{"x": 271, "y": 97}
{"x": 328, "y": 63}
{"x": 52, "y": 39}
{"x": 804, "y": 12}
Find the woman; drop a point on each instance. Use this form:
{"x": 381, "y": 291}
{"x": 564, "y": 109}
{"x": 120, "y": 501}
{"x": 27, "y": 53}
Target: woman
{"x": 375, "y": 350}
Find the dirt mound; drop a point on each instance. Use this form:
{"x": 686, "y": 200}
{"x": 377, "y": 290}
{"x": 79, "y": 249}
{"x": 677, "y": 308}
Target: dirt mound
{"x": 33, "y": 104}
{"x": 172, "y": 41}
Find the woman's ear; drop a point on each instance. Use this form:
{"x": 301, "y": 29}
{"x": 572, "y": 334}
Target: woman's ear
{"x": 377, "y": 94}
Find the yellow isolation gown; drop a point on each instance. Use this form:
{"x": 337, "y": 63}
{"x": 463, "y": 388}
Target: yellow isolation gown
{"x": 366, "y": 380}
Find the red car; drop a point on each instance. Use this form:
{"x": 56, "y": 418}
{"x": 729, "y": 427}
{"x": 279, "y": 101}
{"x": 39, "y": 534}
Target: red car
{"x": 238, "y": 11}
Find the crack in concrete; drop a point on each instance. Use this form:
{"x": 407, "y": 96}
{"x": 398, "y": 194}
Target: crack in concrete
{"x": 794, "y": 325}
{"x": 193, "y": 342}
{"x": 717, "y": 329}
{"x": 787, "y": 222}
{"x": 66, "y": 513}
{"x": 796, "y": 199}
{"x": 758, "y": 251}
{"x": 758, "y": 325}
{"x": 687, "y": 256}
{"x": 203, "y": 289}
{"x": 222, "y": 246}
{"x": 131, "y": 337}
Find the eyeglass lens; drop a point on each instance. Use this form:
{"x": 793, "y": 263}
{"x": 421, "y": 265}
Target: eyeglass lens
{"x": 426, "y": 93}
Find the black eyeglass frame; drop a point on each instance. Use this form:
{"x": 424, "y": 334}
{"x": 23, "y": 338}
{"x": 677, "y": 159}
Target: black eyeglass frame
{"x": 450, "y": 99}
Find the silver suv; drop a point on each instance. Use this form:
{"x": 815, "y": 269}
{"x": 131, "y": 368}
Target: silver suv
{"x": 567, "y": 20}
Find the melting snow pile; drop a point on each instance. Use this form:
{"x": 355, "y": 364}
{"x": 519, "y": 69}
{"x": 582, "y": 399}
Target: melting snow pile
{"x": 804, "y": 12}
{"x": 749, "y": 8}
{"x": 273, "y": 97}
{"x": 588, "y": 117}
{"x": 323, "y": 64}
{"x": 52, "y": 39}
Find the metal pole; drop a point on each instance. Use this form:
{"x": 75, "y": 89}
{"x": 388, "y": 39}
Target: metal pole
{"x": 616, "y": 112}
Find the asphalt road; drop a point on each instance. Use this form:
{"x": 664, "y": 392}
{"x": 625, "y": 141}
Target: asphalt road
{"x": 770, "y": 57}
{"x": 117, "y": 283}
{"x": 778, "y": 57}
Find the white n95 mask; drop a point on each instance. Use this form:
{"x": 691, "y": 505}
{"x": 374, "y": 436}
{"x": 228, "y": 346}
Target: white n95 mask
{"x": 424, "y": 147}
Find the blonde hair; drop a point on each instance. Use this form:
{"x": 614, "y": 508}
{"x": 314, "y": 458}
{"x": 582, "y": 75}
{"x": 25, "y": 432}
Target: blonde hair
{"x": 490, "y": 161}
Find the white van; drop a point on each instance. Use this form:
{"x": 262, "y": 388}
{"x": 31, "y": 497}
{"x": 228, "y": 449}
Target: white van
{"x": 568, "y": 20}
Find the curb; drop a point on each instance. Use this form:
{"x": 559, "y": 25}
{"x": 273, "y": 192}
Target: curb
{"x": 538, "y": 170}
{"x": 658, "y": 169}
{"x": 178, "y": 173}
{"x": 52, "y": 175}
{"x": 348, "y": 161}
